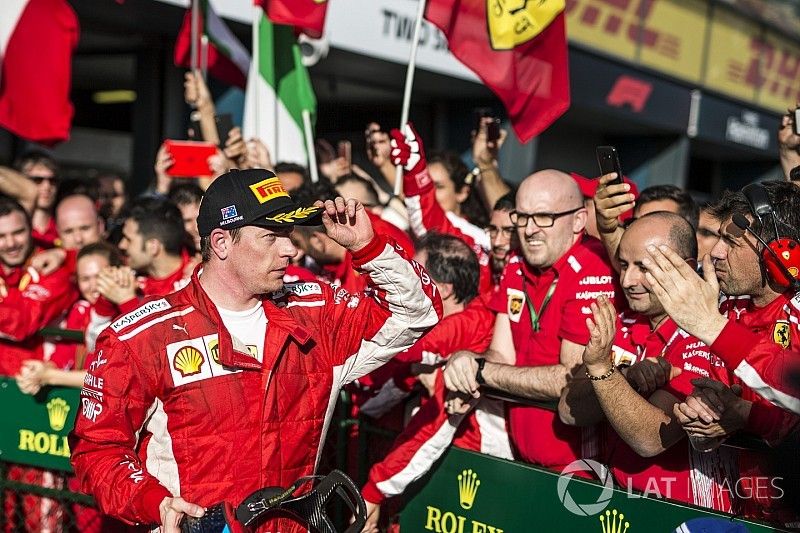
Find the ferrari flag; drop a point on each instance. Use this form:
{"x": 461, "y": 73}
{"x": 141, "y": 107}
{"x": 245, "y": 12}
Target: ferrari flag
{"x": 518, "y": 48}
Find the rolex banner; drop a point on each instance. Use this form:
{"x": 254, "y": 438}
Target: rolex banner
{"x": 470, "y": 492}
{"x": 278, "y": 91}
{"x": 34, "y": 429}
{"x": 518, "y": 49}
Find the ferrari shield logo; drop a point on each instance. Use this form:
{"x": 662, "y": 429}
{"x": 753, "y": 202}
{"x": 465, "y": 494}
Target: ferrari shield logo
{"x": 515, "y": 22}
{"x": 780, "y": 333}
{"x": 516, "y": 301}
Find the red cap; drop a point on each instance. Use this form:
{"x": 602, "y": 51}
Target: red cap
{"x": 588, "y": 187}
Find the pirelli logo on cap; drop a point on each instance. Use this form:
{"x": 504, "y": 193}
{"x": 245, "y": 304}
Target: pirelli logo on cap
{"x": 268, "y": 189}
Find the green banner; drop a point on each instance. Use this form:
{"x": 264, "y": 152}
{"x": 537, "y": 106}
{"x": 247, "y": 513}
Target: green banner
{"x": 473, "y": 493}
{"x": 34, "y": 429}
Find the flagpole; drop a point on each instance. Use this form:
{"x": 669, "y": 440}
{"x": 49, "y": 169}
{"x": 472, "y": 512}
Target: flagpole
{"x": 255, "y": 71}
{"x": 195, "y": 29}
{"x": 312, "y": 156}
{"x": 412, "y": 62}
{"x": 204, "y": 56}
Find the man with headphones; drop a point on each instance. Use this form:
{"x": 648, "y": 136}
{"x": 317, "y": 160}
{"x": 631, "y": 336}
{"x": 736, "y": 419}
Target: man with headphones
{"x": 755, "y": 265}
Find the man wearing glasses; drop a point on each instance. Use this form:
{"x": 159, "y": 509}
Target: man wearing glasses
{"x": 43, "y": 171}
{"x": 502, "y": 234}
{"x": 542, "y": 303}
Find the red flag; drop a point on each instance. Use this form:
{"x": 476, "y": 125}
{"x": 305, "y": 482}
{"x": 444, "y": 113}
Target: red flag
{"x": 228, "y": 59}
{"x": 307, "y": 16}
{"x": 519, "y": 51}
{"x": 36, "y": 72}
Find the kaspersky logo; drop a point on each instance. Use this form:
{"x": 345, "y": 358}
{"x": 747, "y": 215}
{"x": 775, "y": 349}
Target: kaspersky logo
{"x": 268, "y": 189}
{"x": 515, "y": 22}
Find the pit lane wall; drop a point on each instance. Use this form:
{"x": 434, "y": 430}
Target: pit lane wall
{"x": 470, "y": 492}
{"x": 34, "y": 429}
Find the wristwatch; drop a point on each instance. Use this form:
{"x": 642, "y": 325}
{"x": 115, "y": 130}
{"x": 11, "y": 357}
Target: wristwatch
{"x": 479, "y": 375}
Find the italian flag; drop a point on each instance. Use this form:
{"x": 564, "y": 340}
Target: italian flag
{"x": 278, "y": 92}
{"x": 228, "y": 59}
{"x": 37, "y": 38}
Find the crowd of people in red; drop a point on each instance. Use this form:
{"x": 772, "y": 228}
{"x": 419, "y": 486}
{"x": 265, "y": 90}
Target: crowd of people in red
{"x": 660, "y": 328}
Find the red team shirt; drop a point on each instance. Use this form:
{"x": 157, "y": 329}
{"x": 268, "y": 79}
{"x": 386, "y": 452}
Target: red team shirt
{"x": 583, "y": 274}
{"x": 680, "y": 472}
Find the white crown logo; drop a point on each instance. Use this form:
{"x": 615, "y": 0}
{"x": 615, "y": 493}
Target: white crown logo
{"x": 613, "y": 522}
{"x": 468, "y": 484}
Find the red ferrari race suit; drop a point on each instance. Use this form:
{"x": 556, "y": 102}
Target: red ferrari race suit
{"x": 222, "y": 423}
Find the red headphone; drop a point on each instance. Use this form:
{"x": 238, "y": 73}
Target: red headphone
{"x": 780, "y": 255}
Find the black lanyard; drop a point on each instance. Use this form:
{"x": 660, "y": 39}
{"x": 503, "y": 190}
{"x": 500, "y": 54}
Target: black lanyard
{"x": 535, "y": 316}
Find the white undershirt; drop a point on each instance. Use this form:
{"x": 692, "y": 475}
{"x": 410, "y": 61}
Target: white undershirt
{"x": 248, "y": 326}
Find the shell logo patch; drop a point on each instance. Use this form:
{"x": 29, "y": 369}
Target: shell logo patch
{"x": 188, "y": 361}
{"x": 266, "y": 190}
{"x": 780, "y": 333}
{"x": 516, "y": 302}
{"x": 515, "y": 22}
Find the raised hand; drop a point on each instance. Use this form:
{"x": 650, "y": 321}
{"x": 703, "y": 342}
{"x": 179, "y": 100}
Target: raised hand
{"x": 691, "y": 301}
{"x": 611, "y": 201}
{"x": 602, "y": 328}
{"x": 407, "y": 151}
{"x": 346, "y": 222}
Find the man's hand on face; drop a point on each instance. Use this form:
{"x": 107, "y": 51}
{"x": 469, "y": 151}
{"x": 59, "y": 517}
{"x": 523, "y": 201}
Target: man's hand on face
{"x": 691, "y": 301}
{"x": 117, "y": 284}
{"x": 650, "y": 374}
{"x": 460, "y": 372}
{"x": 713, "y": 409}
{"x": 346, "y": 222}
{"x": 48, "y": 261}
{"x": 602, "y": 327}
{"x": 172, "y": 511}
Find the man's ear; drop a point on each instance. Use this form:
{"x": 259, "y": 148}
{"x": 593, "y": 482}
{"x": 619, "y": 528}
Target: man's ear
{"x": 579, "y": 222}
{"x": 445, "y": 290}
{"x": 220, "y": 243}
{"x": 463, "y": 194}
{"x": 153, "y": 247}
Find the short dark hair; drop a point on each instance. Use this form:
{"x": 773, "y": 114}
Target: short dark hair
{"x": 682, "y": 238}
{"x": 784, "y": 196}
{"x": 9, "y": 205}
{"x": 104, "y": 249}
{"x": 450, "y": 260}
{"x": 472, "y": 208}
{"x": 291, "y": 167}
{"x": 159, "y": 219}
{"x": 185, "y": 194}
{"x": 36, "y": 157}
{"x": 507, "y": 202}
{"x": 205, "y": 243}
{"x": 353, "y": 178}
{"x": 687, "y": 207}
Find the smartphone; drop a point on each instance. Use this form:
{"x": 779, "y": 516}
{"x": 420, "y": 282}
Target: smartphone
{"x": 224, "y": 126}
{"x": 191, "y": 158}
{"x": 797, "y": 121}
{"x": 345, "y": 150}
{"x": 608, "y": 161}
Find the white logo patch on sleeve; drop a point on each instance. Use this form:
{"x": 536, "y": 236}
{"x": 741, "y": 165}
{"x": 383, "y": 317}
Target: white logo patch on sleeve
{"x": 516, "y": 303}
{"x": 139, "y": 313}
{"x": 304, "y": 289}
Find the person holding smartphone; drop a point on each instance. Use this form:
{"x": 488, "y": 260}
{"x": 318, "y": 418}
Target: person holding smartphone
{"x": 789, "y": 141}
{"x": 487, "y": 138}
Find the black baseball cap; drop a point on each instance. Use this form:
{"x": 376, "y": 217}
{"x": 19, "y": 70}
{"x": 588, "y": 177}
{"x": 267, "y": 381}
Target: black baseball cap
{"x": 253, "y": 197}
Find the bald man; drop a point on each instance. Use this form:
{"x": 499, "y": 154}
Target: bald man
{"x": 542, "y": 304}
{"x": 78, "y": 222}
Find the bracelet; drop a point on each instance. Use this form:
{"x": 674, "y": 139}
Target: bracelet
{"x": 604, "y": 376}
{"x": 479, "y": 374}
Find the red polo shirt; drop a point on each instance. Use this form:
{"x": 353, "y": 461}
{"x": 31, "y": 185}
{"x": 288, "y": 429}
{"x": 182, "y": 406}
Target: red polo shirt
{"x": 680, "y": 472}
{"x": 577, "y": 279}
